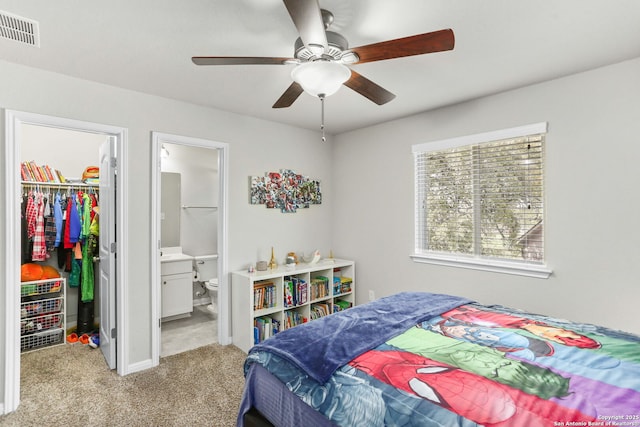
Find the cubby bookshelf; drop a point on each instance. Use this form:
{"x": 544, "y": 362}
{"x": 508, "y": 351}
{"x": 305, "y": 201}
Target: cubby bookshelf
{"x": 266, "y": 302}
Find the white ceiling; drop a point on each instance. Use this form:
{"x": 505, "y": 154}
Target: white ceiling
{"x": 147, "y": 45}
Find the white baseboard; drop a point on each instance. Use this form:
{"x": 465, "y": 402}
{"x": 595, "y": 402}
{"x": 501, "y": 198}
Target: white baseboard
{"x": 140, "y": 366}
{"x": 202, "y": 301}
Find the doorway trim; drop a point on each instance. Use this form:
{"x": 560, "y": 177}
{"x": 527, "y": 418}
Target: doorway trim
{"x": 224, "y": 307}
{"x": 12, "y": 138}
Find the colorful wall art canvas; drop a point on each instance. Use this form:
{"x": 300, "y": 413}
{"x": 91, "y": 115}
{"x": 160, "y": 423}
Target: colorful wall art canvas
{"x": 285, "y": 190}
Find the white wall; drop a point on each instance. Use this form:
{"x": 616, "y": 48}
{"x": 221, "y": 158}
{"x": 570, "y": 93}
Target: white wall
{"x": 592, "y": 198}
{"x": 255, "y": 146}
{"x": 68, "y": 151}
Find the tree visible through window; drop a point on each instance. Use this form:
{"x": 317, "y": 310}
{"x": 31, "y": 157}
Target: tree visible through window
{"x": 483, "y": 200}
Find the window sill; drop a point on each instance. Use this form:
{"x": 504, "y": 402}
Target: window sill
{"x": 506, "y": 267}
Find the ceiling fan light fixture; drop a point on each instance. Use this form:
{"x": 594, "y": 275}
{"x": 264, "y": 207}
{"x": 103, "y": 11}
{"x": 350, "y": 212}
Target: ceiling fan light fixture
{"x": 349, "y": 57}
{"x": 321, "y": 77}
{"x": 316, "y": 49}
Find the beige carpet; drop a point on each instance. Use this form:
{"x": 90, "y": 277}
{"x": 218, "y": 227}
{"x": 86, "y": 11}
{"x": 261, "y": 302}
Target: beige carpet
{"x": 71, "y": 386}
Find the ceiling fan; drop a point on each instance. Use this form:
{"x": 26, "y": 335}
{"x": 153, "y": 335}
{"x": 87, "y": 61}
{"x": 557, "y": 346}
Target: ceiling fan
{"x": 322, "y": 56}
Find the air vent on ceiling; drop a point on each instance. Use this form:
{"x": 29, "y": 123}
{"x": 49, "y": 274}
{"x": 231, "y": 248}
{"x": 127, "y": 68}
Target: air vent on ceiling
{"x": 17, "y": 28}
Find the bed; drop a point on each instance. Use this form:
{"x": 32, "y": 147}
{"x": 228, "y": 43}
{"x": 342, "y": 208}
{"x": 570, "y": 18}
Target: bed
{"x": 421, "y": 359}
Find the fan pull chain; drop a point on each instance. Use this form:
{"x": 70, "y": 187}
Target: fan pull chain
{"x": 321, "y": 96}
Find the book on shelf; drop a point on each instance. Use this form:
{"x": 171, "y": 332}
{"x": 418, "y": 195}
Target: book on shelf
{"x": 288, "y": 293}
{"x": 319, "y": 310}
{"x": 50, "y": 175}
{"x": 341, "y": 305}
{"x": 319, "y": 287}
{"x": 264, "y": 295}
{"x": 342, "y": 285}
{"x": 301, "y": 290}
{"x": 31, "y": 172}
{"x": 38, "y": 172}
{"x": 264, "y": 327}
{"x": 294, "y": 318}
{"x": 295, "y": 291}
{"x": 24, "y": 172}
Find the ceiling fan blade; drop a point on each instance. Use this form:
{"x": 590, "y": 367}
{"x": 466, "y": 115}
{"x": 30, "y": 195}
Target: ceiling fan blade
{"x": 307, "y": 18}
{"x": 289, "y": 96}
{"x": 436, "y": 41}
{"x": 368, "y": 89}
{"x": 238, "y": 60}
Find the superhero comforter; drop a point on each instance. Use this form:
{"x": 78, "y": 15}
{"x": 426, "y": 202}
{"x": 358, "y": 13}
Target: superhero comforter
{"x": 472, "y": 365}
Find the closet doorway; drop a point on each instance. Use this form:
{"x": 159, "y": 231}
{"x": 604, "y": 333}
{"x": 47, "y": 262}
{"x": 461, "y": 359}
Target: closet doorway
{"x": 21, "y": 129}
{"x": 189, "y": 220}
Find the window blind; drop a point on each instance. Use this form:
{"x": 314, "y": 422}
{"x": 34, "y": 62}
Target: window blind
{"x": 484, "y": 199}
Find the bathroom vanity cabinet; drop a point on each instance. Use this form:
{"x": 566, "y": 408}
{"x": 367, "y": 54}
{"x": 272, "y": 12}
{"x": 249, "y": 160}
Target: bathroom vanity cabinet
{"x": 176, "y": 278}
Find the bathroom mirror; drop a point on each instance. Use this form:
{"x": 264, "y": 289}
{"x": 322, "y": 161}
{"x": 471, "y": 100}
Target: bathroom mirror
{"x": 170, "y": 209}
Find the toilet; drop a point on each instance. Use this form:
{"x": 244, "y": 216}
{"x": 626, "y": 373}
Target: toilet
{"x": 205, "y": 269}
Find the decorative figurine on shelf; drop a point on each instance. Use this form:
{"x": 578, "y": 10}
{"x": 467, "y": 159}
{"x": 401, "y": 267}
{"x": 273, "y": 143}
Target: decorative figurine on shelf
{"x": 330, "y": 258}
{"x": 273, "y": 264}
{"x": 315, "y": 258}
{"x": 293, "y": 256}
{"x": 290, "y": 261}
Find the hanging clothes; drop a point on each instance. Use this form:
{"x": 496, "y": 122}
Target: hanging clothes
{"x": 61, "y": 252}
{"x": 58, "y": 217}
{"x": 68, "y": 222}
{"x": 94, "y": 203}
{"x": 39, "y": 244}
{"x": 49, "y": 226}
{"x": 66, "y": 238}
{"x": 90, "y": 249}
{"x": 32, "y": 214}
{"x": 75, "y": 275}
{"x": 77, "y": 251}
{"x": 74, "y": 271}
{"x": 87, "y": 273}
{"x": 25, "y": 244}
{"x": 86, "y": 217}
{"x": 94, "y": 229}
{"x": 75, "y": 225}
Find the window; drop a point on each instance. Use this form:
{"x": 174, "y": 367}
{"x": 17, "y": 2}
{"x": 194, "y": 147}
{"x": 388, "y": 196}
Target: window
{"x": 480, "y": 201}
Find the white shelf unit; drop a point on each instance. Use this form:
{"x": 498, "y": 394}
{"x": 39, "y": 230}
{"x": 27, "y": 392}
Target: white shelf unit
{"x": 42, "y": 314}
{"x": 248, "y": 306}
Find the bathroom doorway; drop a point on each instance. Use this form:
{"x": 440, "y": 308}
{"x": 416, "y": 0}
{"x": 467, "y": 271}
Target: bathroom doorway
{"x": 189, "y": 235}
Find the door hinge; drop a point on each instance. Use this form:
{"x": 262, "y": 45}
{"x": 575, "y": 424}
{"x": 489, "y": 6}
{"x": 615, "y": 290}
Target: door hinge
{"x": 113, "y": 334}
{"x": 113, "y": 247}
{"x": 114, "y": 162}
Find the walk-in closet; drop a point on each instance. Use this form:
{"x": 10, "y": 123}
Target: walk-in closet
{"x": 59, "y": 225}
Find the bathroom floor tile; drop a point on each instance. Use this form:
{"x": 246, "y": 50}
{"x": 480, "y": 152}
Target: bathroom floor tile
{"x": 198, "y": 330}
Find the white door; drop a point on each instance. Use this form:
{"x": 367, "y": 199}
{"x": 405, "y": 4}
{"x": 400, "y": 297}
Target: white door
{"x": 107, "y": 287}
